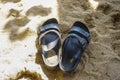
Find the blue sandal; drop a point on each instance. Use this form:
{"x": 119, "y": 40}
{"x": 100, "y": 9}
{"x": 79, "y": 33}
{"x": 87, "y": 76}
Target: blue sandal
{"x": 74, "y": 46}
{"x": 50, "y": 42}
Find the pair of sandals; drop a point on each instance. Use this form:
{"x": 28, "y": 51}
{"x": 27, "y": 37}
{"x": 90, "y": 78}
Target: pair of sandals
{"x": 72, "y": 49}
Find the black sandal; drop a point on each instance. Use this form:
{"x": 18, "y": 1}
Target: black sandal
{"x": 50, "y": 42}
{"x": 74, "y": 46}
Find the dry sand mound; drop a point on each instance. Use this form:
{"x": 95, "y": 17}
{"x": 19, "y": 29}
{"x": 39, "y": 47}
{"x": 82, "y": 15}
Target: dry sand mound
{"x": 20, "y": 57}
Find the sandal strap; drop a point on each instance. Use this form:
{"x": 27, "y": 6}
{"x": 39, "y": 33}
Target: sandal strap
{"x": 81, "y": 32}
{"x": 46, "y": 29}
{"x": 50, "y": 45}
{"x": 49, "y": 27}
{"x": 82, "y": 41}
{"x": 42, "y": 35}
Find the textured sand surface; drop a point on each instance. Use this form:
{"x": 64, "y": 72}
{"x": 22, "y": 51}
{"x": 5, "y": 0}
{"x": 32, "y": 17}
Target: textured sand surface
{"x": 20, "y": 57}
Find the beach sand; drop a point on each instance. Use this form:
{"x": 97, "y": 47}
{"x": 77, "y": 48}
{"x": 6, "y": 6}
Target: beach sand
{"x": 20, "y": 55}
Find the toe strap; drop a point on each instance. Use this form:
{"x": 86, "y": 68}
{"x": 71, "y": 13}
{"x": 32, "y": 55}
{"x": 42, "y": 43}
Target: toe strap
{"x": 81, "y": 32}
{"x": 51, "y": 26}
{"x": 82, "y": 42}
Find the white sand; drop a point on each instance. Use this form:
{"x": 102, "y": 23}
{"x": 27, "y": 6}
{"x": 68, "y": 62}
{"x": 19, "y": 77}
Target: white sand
{"x": 20, "y": 19}
{"x": 18, "y": 32}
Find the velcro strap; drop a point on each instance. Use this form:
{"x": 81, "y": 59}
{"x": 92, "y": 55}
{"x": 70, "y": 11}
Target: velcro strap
{"x": 58, "y": 33}
{"x": 81, "y": 40}
{"x": 49, "y": 27}
{"x": 81, "y": 31}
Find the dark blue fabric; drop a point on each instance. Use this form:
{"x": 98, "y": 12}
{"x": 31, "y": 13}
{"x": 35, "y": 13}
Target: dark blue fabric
{"x": 74, "y": 45}
{"x": 49, "y": 37}
{"x": 49, "y": 26}
{"x": 82, "y": 31}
